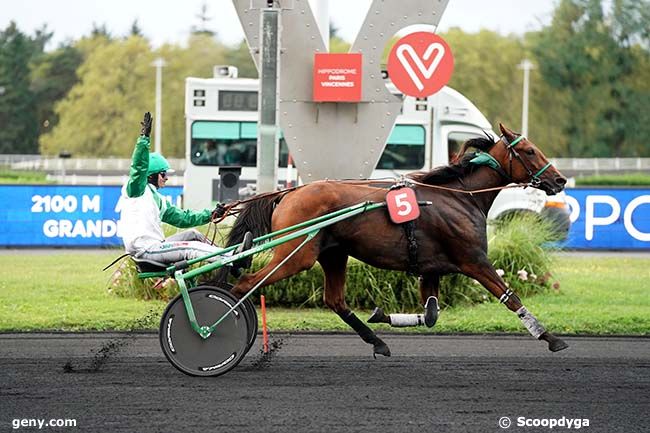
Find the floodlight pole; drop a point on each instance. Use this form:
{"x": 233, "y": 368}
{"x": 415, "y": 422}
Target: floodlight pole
{"x": 159, "y": 63}
{"x": 268, "y": 130}
{"x": 526, "y": 65}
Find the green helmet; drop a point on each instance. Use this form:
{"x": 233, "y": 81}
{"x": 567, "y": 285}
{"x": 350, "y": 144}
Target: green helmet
{"x": 158, "y": 164}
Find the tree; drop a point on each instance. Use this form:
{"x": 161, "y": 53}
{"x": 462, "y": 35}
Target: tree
{"x": 203, "y": 17}
{"x": 52, "y": 76}
{"x": 135, "y": 29}
{"x": 99, "y": 116}
{"x": 599, "y": 59}
{"x": 19, "y": 131}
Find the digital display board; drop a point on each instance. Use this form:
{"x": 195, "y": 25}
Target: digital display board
{"x": 237, "y": 100}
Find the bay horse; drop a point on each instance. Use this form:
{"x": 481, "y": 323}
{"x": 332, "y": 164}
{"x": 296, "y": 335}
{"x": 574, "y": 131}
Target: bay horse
{"x": 451, "y": 233}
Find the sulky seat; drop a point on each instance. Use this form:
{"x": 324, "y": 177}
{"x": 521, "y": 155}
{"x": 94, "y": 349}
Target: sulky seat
{"x": 145, "y": 265}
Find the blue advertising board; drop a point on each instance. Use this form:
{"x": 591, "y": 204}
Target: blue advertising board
{"x": 609, "y": 218}
{"x": 76, "y": 216}
{"x": 59, "y": 216}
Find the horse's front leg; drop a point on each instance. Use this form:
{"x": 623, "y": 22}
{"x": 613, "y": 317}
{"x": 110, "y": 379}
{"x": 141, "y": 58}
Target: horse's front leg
{"x": 483, "y": 271}
{"x": 334, "y": 263}
{"x": 429, "y": 292}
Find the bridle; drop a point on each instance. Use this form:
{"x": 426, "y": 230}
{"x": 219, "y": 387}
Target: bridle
{"x": 535, "y": 180}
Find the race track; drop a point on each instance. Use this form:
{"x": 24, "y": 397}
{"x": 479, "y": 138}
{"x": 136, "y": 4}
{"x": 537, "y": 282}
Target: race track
{"x": 328, "y": 383}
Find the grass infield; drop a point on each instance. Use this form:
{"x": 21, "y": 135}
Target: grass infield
{"x": 66, "y": 290}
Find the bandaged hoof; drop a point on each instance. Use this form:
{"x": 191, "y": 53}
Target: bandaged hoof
{"x": 431, "y": 311}
{"x": 378, "y": 316}
{"x": 380, "y": 349}
{"x": 554, "y": 344}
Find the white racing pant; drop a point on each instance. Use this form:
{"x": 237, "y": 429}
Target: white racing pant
{"x": 186, "y": 245}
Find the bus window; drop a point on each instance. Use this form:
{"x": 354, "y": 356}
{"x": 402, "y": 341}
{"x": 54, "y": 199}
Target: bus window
{"x": 404, "y": 149}
{"x": 228, "y": 143}
{"x": 456, "y": 140}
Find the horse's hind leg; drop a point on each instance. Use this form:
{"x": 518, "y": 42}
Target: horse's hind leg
{"x": 429, "y": 288}
{"x": 483, "y": 271}
{"x": 334, "y": 262}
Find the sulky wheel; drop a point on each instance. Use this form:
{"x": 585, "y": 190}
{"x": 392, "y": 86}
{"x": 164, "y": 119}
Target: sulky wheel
{"x": 186, "y": 350}
{"x": 251, "y": 314}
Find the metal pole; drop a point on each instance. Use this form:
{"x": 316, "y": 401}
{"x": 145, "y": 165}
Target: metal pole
{"x": 267, "y": 131}
{"x": 159, "y": 63}
{"x": 526, "y": 65}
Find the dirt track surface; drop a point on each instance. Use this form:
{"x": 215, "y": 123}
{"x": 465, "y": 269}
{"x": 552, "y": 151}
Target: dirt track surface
{"x": 329, "y": 383}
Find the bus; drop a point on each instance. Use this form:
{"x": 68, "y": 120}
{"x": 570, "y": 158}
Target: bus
{"x": 221, "y": 131}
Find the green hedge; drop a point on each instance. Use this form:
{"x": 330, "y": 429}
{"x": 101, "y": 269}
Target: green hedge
{"x": 628, "y": 179}
{"x": 520, "y": 247}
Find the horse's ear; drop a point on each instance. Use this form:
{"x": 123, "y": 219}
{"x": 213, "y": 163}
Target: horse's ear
{"x": 505, "y": 131}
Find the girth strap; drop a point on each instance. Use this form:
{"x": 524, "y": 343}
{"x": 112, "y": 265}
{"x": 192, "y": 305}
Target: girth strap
{"x": 412, "y": 247}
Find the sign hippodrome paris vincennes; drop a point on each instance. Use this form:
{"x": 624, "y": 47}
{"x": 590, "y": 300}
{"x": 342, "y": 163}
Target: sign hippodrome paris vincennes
{"x": 337, "y": 77}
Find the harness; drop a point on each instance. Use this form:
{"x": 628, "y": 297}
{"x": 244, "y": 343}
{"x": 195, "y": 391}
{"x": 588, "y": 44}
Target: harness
{"x": 534, "y": 177}
{"x": 409, "y": 232}
{"x": 484, "y": 158}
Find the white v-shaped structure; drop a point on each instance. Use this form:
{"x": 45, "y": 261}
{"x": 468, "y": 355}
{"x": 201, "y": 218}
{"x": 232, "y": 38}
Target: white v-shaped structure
{"x": 328, "y": 139}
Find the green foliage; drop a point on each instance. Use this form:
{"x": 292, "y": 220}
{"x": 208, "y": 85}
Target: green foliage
{"x": 517, "y": 246}
{"x": 100, "y": 115}
{"x": 601, "y": 59}
{"x": 18, "y": 130}
{"x": 628, "y": 179}
{"x": 52, "y": 76}
{"x": 22, "y": 177}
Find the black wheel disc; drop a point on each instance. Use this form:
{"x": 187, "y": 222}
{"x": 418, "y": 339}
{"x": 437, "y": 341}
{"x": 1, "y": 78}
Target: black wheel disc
{"x": 251, "y": 314}
{"x": 187, "y": 350}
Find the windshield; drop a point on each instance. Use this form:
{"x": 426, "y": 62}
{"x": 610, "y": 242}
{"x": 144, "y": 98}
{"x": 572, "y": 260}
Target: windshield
{"x": 404, "y": 149}
{"x": 228, "y": 143}
{"x": 216, "y": 143}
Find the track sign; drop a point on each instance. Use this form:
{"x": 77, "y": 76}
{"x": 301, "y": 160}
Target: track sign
{"x": 402, "y": 205}
{"x": 337, "y": 77}
{"x": 420, "y": 64}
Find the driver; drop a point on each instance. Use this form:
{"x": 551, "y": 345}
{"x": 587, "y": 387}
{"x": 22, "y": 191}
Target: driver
{"x": 144, "y": 209}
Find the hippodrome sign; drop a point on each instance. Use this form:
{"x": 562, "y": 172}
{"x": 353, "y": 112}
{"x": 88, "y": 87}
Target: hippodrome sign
{"x": 420, "y": 64}
{"x": 337, "y": 139}
{"x": 337, "y": 77}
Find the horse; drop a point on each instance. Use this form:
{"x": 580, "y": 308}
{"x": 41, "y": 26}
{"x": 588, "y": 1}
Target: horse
{"x": 450, "y": 234}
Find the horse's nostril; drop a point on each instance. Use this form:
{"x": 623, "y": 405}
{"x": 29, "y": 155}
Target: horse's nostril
{"x": 560, "y": 180}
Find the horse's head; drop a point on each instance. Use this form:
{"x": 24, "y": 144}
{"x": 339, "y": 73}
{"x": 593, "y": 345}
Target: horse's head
{"x": 522, "y": 160}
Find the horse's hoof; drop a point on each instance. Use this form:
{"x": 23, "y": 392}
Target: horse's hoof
{"x": 431, "y": 311}
{"x": 554, "y": 344}
{"x": 378, "y": 316}
{"x": 557, "y": 345}
{"x": 380, "y": 349}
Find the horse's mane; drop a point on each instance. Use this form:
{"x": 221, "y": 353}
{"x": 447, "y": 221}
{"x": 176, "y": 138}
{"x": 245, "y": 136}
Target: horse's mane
{"x": 459, "y": 167}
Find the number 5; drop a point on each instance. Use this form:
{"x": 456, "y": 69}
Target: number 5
{"x": 404, "y": 207}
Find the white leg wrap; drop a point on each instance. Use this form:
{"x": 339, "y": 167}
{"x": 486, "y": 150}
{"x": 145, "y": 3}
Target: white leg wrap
{"x": 406, "y": 320}
{"x": 530, "y": 322}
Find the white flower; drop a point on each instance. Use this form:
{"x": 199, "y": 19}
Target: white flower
{"x": 533, "y": 276}
{"x": 522, "y": 274}
{"x": 500, "y": 272}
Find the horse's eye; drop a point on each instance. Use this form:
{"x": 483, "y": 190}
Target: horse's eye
{"x": 530, "y": 151}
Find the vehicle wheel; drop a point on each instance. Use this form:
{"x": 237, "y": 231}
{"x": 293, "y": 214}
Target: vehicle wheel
{"x": 251, "y": 314}
{"x": 186, "y": 350}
